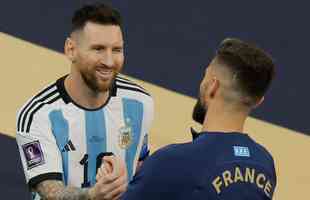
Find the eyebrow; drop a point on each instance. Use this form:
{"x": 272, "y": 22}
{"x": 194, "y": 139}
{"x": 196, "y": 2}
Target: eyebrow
{"x": 104, "y": 46}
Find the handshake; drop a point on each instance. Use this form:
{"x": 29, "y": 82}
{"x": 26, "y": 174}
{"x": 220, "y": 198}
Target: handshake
{"x": 112, "y": 179}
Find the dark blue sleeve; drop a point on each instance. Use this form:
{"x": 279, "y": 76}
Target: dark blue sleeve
{"x": 148, "y": 179}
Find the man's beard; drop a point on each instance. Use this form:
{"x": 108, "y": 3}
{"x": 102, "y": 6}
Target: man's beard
{"x": 96, "y": 85}
{"x": 199, "y": 114}
{"x": 199, "y": 111}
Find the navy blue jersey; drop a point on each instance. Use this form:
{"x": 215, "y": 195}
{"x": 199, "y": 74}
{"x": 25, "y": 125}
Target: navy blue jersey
{"x": 213, "y": 166}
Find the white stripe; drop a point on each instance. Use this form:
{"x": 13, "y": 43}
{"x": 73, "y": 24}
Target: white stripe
{"x": 123, "y": 93}
{"x": 130, "y": 86}
{"x": 33, "y": 108}
{"x": 33, "y": 101}
{"x": 123, "y": 79}
{"x": 113, "y": 124}
{"x": 78, "y": 138}
{"x": 128, "y": 81}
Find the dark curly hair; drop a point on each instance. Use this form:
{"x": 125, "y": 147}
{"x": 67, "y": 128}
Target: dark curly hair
{"x": 97, "y": 13}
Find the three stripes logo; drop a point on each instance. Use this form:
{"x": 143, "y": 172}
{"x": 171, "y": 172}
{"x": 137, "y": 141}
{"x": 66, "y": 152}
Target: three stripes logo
{"x": 47, "y": 96}
{"x": 69, "y": 147}
{"x": 126, "y": 84}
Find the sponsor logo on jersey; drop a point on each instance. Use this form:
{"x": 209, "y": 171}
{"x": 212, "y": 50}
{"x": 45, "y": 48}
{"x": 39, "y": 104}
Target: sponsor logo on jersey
{"x": 69, "y": 147}
{"x": 125, "y": 135}
{"x": 95, "y": 139}
{"x": 33, "y": 154}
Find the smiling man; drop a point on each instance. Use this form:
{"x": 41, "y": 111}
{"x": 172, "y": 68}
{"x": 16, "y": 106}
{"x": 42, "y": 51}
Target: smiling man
{"x": 64, "y": 131}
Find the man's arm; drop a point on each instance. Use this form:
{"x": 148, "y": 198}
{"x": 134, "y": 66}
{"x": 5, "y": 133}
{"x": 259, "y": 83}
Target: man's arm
{"x": 56, "y": 190}
{"x": 108, "y": 187}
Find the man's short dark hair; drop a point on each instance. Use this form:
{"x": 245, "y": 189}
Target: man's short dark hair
{"x": 97, "y": 13}
{"x": 251, "y": 67}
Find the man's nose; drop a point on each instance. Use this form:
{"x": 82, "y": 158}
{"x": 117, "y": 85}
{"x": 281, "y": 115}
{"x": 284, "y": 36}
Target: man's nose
{"x": 107, "y": 58}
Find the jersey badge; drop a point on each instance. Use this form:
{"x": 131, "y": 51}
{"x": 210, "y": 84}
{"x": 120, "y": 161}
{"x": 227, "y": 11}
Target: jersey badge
{"x": 33, "y": 154}
{"x": 125, "y": 135}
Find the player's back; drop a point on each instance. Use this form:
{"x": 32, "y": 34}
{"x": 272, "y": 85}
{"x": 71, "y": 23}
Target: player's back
{"x": 214, "y": 166}
{"x": 235, "y": 167}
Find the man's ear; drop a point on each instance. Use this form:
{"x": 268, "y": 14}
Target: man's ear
{"x": 214, "y": 86}
{"x": 69, "y": 49}
{"x": 259, "y": 102}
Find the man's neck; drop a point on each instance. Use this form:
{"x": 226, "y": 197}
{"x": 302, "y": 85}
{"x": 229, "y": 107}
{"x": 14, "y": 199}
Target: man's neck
{"x": 219, "y": 120}
{"x": 82, "y": 94}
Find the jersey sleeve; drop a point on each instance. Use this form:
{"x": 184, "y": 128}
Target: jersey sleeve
{"x": 150, "y": 180}
{"x": 39, "y": 152}
{"x": 143, "y": 183}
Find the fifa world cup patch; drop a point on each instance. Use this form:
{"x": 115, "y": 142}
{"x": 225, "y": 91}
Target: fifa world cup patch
{"x": 33, "y": 154}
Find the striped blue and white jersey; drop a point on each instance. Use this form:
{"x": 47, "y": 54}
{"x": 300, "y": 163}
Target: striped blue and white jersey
{"x": 58, "y": 139}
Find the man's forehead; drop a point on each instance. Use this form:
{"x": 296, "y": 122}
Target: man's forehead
{"x": 94, "y": 32}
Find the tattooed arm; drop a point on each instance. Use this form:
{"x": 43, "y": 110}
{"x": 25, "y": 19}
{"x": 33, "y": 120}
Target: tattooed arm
{"x": 56, "y": 190}
{"x": 109, "y": 187}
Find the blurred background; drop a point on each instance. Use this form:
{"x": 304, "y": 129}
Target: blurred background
{"x": 168, "y": 46}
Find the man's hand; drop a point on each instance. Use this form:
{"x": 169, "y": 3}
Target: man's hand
{"x": 111, "y": 179}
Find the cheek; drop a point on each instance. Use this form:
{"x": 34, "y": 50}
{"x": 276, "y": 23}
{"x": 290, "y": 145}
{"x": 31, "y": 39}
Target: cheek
{"x": 119, "y": 62}
{"x": 202, "y": 91}
{"x": 203, "y": 85}
{"x": 85, "y": 59}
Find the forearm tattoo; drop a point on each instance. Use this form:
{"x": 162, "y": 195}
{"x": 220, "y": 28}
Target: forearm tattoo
{"x": 56, "y": 190}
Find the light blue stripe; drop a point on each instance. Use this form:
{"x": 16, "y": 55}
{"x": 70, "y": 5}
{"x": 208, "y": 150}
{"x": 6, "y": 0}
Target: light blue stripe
{"x": 133, "y": 110}
{"x": 60, "y": 129}
{"x": 96, "y": 140}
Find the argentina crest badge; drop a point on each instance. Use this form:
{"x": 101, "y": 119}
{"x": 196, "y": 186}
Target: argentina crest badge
{"x": 125, "y": 135}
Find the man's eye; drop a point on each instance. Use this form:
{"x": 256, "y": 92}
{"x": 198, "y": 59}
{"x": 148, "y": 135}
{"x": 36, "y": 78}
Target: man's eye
{"x": 118, "y": 50}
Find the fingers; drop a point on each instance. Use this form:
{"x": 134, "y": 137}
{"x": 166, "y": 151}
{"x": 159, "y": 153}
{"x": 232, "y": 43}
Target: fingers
{"x": 115, "y": 164}
{"x": 120, "y": 186}
{"x": 110, "y": 162}
{"x": 123, "y": 167}
{"x": 107, "y": 168}
{"x": 120, "y": 192}
{"x": 102, "y": 171}
{"x": 111, "y": 178}
{"x": 105, "y": 189}
{"x": 98, "y": 175}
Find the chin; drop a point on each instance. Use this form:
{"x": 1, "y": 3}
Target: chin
{"x": 105, "y": 85}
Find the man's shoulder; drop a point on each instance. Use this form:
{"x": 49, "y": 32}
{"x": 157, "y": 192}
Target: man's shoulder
{"x": 264, "y": 153}
{"x": 173, "y": 152}
{"x": 37, "y": 103}
{"x": 244, "y": 151}
{"x": 130, "y": 89}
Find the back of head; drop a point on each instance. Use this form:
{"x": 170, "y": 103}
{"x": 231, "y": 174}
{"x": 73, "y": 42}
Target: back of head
{"x": 97, "y": 13}
{"x": 251, "y": 70}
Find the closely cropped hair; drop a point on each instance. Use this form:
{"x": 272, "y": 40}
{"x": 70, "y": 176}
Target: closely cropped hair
{"x": 251, "y": 67}
{"x": 98, "y": 13}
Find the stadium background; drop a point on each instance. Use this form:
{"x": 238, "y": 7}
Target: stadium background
{"x": 168, "y": 44}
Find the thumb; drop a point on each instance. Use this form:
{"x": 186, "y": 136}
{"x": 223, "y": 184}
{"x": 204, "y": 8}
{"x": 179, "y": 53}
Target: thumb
{"x": 109, "y": 163}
